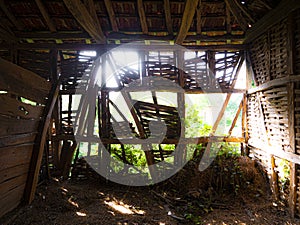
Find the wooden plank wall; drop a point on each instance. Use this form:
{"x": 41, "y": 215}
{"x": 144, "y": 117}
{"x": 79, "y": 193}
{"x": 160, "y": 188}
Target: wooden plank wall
{"x": 273, "y": 112}
{"x": 19, "y": 123}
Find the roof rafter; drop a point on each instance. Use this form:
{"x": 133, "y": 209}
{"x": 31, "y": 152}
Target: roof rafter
{"x": 187, "y": 19}
{"x": 111, "y": 14}
{"x": 10, "y": 16}
{"x": 45, "y": 15}
{"x": 274, "y": 16}
{"x": 236, "y": 12}
{"x": 199, "y": 20}
{"x": 244, "y": 11}
{"x": 142, "y": 16}
{"x": 168, "y": 17}
{"x": 6, "y": 34}
{"x": 86, "y": 19}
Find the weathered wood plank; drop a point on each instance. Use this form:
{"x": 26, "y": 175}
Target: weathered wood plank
{"x": 111, "y": 14}
{"x": 17, "y": 139}
{"x": 8, "y": 185}
{"x": 20, "y": 154}
{"x": 231, "y": 4}
{"x": 294, "y": 158}
{"x": 40, "y": 141}
{"x": 12, "y": 172}
{"x": 168, "y": 18}
{"x": 82, "y": 15}
{"x": 11, "y": 126}
{"x": 142, "y": 15}
{"x": 45, "y": 15}
{"x": 11, "y": 200}
{"x": 11, "y": 17}
{"x": 271, "y": 18}
{"x": 23, "y": 82}
{"x": 187, "y": 19}
{"x": 13, "y": 107}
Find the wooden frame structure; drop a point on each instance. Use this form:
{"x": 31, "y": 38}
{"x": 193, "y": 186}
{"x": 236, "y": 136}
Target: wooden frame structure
{"x": 46, "y": 38}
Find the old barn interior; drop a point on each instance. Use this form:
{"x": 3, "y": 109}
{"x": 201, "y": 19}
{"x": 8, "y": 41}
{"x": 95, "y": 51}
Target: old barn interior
{"x": 97, "y": 94}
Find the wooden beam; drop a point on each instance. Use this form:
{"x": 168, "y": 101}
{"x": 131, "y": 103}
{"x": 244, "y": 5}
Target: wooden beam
{"x": 111, "y": 14}
{"x": 195, "y": 140}
{"x": 244, "y": 11}
{"x": 199, "y": 20}
{"x": 221, "y": 113}
{"x": 273, "y": 17}
{"x": 291, "y": 52}
{"x": 7, "y": 35}
{"x": 228, "y": 20}
{"x": 289, "y": 156}
{"x": 86, "y": 20}
{"x": 274, "y": 83}
{"x": 236, "y": 12}
{"x": 168, "y": 18}
{"x": 45, "y": 15}
{"x": 39, "y": 145}
{"x": 187, "y": 19}
{"x": 10, "y": 16}
{"x": 107, "y": 47}
{"x": 235, "y": 118}
{"x": 142, "y": 16}
{"x": 292, "y": 143}
{"x": 124, "y": 36}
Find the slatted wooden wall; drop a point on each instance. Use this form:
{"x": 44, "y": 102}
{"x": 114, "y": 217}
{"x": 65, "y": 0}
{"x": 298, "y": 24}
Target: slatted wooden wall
{"x": 19, "y": 125}
{"x": 273, "y": 110}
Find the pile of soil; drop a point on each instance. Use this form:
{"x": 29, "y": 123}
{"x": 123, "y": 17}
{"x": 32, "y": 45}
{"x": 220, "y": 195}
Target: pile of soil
{"x": 230, "y": 191}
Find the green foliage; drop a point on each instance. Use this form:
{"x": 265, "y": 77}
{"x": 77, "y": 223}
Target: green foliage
{"x": 229, "y": 149}
{"x": 130, "y": 154}
{"x": 283, "y": 168}
{"x": 194, "y": 125}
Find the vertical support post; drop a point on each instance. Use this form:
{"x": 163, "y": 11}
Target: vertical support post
{"x": 274, "y": 177}
{"x": 211, "y": 68}
{"x": 180, "y": 155}
{"x": 55, "y": 145}
{"x": 291, "y": 111}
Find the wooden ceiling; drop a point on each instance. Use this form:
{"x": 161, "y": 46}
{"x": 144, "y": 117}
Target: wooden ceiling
{"x": 185, "y": 22}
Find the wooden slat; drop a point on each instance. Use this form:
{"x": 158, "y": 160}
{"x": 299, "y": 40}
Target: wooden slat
{"x": 17, "y": 139}
{"x": 40, "y": 143}
{"x": 199, "y": 20}
{"x": 11, "y": 200}
{"x": 10, "y": 16}
{"x": 187, "y": 19}
{"x": 111, "y": 14}
{"x": 231, "y": 4}
{"x": 15, "y": 182}
{"x": 168, "y": 18}
{"x": 13, "y": 107}
{"x": 82, "y": 15}
{"x": 15, "y": 155}
{"x": 274, "y": 83}
{"x": 291, "y": 157}
{"x": 45, "y": 15}
{"x": 12, "y": 172}
{"x": 142, "y": 15}
{"x": 11, "y": 126}
{"x": 22, "y": 82}
{"x": 6, "y": 33}
{"x": 271, "y": 18}
{"x": 238, "y": 4}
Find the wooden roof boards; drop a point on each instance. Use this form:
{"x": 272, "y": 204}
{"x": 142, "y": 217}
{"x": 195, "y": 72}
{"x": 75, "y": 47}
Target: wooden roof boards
{"x": 189, "y": 23}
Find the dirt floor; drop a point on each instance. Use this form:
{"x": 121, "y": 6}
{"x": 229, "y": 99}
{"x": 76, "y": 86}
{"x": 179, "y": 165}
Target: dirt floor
{"x": 183, "y": 199}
